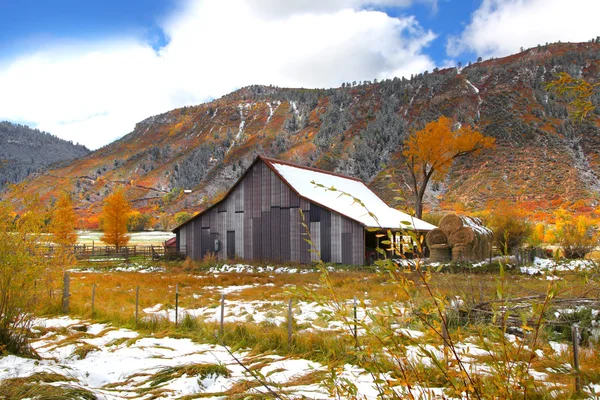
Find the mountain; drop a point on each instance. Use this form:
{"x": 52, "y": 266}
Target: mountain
{"x": 543, "y": 160}
{"x": 24, "y": 151}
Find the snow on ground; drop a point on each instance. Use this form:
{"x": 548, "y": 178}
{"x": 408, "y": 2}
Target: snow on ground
{"x": 310, "y": 316}
{"x": 544, "y": 265}
{"x": 143, "y": 269}
{"x": 122, "y": 364}
{"x": 472, "y": 86}
{"x": 158, "y": 237}
{"x": 243, "y": 268}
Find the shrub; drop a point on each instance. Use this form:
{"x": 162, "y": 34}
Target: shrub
{"x": 575, "y": 235}
{"x": 26, "y": 274}
{"x": 181, "y": 217}
{"x": 510, "y": 227}
{"x": 137, "y": 222}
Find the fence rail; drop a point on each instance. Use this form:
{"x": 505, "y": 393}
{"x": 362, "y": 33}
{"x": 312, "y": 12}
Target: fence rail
{"x": 148, "y": 252}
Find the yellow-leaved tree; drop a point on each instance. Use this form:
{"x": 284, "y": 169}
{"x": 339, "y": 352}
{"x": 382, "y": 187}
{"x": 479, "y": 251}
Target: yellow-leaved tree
{"x": 23, "y": 267}
{"x": 430, "y": 152}
{"x": 578, "y": 91}
{"x": 63, "y": 222}
{"x": 115, "y": 215}
{"x": 575, "y": 234}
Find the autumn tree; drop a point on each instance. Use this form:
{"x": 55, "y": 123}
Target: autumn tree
{"x": 576, "y": 235}
{"x": 430, "y": 152}
{"x": 63, "y": 222}
{"x": 115, "y": 215}
{"x": 23, "y": 272}
{"x": 578, "y": 91}
{"x": 138, "y": 221}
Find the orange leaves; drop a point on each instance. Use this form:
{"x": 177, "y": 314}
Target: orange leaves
{"x": 435, "y": 147}
{"x": 115, "y": 214}
{"x": 62, "y": 225}
{"x": 429, "y": 153}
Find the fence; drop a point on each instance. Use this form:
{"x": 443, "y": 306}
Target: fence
{"x": 124, "y": 253}
{"x": 354, "y": 320}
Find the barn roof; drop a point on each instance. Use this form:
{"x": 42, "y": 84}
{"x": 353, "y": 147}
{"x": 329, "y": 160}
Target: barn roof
{"x": 337, "y": 194}
{"x": 344, "y": 194}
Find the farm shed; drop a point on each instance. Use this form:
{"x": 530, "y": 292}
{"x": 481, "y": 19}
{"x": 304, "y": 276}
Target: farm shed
{"x": 260, "y": 219}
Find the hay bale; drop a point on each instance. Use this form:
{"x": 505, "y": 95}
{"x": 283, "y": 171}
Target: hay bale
{"x": 464, "y": 236}
{"x": 440, "y": 253}
{"x": 461, "y": 253}
{"x": 450, "y": 223}
{"x": 436, "y": 236}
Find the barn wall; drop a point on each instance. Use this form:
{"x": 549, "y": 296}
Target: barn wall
{"x": 261, "y": 219}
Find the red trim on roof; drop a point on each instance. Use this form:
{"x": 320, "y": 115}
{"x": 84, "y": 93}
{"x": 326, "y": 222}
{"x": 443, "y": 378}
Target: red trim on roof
{"x": 272, "y": 160}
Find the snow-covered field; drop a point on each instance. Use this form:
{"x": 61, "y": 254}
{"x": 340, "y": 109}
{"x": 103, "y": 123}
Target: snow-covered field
{"x": 151, "y": 237}
{"x": 116, "y": 363}
{"x": 120, "y": 363}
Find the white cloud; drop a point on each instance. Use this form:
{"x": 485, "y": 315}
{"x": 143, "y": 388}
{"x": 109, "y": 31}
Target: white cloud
{"x": 501, "y": 27}
{"x": 93, "y": 93}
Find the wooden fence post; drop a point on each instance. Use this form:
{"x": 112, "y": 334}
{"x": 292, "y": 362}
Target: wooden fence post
{"x": 575, "y": 337}
{"x": 290, "y": 323}
{"x": 445, "y": 335}
{"x": 93, "y": 297}
{"x": 222, "y": 312}
{"x": 137, "y": 304}
{"x": 355, "y": 324}
{"x": 66, "y": 294}
{"x": 176, "y": 304}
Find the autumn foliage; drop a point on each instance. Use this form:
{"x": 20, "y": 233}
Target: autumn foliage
{"x": 115, "y": 215}
{"x": 578, "y": 91}
{"x": 63, "y": 221}
{"x": 430, "y": 152}
{"x": 509, "y": 224}
{"x": 576, "y": 235}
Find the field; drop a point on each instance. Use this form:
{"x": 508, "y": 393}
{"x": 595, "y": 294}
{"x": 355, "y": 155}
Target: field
{"x": 395, "y": 341}
{"x": 156, "y": 238}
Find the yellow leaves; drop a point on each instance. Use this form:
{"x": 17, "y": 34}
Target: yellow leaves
{"x": 436, "y": 146}
{"x": 115, "y": 215}
{"x": 578, "y": 90}
{"x": 62, "y": 224}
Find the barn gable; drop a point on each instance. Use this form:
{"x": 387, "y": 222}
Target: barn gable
{"x": 262, "y": 216}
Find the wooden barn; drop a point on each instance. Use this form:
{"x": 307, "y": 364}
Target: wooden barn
{"x": 260, "y": 219}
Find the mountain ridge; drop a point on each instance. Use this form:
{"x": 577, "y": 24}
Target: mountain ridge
{"x": 542, "y": 161}
{"x": 24, "y": 151}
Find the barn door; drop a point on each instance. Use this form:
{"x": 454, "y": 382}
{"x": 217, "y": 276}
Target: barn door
{"x": 230, "y": 244}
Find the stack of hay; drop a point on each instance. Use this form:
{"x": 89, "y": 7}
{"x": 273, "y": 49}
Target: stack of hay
{"x": 460, "y": 239}
{"x": 439, "y": 249}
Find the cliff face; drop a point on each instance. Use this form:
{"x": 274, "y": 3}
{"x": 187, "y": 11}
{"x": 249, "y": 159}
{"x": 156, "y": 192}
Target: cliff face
{"x": 542, "y": 159}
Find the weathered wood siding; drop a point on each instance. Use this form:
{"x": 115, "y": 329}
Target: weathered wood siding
{"x": 261, "y": 219}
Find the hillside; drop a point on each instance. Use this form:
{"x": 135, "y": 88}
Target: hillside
{"x": 24, "y": 151}
{"x": 542, "y": 159}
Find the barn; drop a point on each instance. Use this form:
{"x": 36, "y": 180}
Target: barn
{"x": 262, "y": 217}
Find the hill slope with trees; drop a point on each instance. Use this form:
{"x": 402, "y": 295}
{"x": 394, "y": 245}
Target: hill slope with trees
{"x": 24, "y": 151}
{"x": 542, "y": 159}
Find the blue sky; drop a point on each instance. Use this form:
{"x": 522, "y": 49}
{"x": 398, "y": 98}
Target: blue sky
{"x": 88, "y": 70}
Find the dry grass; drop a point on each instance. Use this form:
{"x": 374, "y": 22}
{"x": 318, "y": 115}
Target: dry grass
{"x": 43, "y": 385}
{"x": 115, "y": 303}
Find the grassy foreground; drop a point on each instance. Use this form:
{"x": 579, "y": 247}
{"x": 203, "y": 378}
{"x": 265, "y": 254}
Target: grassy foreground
{"x": 534, "y": 358}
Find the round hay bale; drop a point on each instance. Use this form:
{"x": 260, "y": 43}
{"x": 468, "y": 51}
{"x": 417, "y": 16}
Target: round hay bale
{"x": 436, "y": 236}
{"x": 440, "y": 253}
{"x": 461, "y": 253}
{"x": 450, "y": 223}
{"x": 462, "y": 236}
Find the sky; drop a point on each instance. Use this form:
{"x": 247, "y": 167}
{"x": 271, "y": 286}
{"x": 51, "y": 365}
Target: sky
{"x": 88, "y": 71}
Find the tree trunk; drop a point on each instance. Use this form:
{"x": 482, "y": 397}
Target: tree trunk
{"x": 419, "y": 205}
